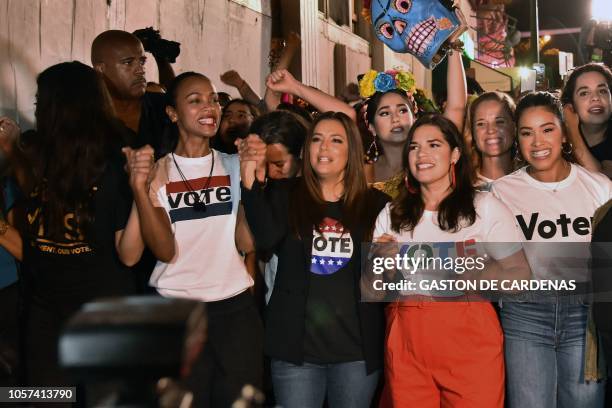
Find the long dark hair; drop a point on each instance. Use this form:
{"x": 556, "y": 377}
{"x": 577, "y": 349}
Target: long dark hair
{"x": 171, "y": 133}
{"x": 457, "y": 209}
{"x": 307, "y": 203}
{"x": 77, "y": 135}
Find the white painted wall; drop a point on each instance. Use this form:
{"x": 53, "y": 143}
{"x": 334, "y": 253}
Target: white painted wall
{"x": 215, "y": 36}
{"x": 358, "y": 59}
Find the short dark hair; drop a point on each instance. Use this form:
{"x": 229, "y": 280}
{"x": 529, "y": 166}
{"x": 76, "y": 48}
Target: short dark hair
{"x": 281, "y": 127}
{"x": 567, "y": 96}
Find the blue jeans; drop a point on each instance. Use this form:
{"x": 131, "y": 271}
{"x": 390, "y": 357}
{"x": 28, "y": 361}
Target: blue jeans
{"x": 544, "y": 349}
{"x": 305, "y": 386}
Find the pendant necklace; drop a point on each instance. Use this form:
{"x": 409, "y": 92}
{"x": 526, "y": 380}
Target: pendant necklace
{"x": 198, "y": 205}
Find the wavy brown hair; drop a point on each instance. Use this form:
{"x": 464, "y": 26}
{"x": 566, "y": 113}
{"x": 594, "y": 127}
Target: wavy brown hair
{"x": 307, "y": 202}
{"x": 457, "y": 209}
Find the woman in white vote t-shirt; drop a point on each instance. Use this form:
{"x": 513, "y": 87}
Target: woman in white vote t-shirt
{"x": 444, "y": 353}
{"x": 553, "y": 200}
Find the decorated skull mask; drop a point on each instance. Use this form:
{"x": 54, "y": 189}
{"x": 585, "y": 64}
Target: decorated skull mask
{"x": 418, "y": 27}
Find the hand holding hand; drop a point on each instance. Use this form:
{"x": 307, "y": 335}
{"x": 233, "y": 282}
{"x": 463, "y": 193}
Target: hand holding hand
{"x": 385, "y": 246}
{"x": 252, "y": 152}
{"x": 139, "y": 165}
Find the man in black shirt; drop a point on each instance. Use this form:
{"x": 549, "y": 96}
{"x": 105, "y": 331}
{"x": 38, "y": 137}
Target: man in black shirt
{"x": 120, "y": 58}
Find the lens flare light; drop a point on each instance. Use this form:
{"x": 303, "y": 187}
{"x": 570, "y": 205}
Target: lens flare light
{"x": 601, "y": 10}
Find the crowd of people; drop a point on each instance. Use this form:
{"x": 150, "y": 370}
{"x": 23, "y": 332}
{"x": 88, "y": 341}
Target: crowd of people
{"x": 260, "y": 206}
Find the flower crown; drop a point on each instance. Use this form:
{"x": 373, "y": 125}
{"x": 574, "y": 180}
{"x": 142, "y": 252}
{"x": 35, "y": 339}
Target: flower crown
{"x": 374, "y": 81}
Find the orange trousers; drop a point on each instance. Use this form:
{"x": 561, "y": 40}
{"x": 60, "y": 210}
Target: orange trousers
{"x": 443, "y": 354}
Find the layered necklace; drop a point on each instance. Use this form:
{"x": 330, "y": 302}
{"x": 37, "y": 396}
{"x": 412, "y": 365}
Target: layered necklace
{"x": 198, "y": 204}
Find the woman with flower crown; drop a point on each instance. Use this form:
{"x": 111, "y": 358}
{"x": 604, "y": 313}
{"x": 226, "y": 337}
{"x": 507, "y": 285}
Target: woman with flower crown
{"x": 390, "y": 110}
{"x": 390, "y": 113}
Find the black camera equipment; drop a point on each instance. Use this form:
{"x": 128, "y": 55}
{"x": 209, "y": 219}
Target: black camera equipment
{"x": 128, "y": 344}
{"x": 160, "y": 48}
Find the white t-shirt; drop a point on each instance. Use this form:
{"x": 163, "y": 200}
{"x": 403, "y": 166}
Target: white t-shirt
{"x": 206, "y": 265}
{"x": 494, "y": 224}
{"x": 559, "y": 212}
{"x": 483, "y": 183}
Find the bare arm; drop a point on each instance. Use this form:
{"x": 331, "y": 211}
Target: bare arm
{"x": 244, "y": 239}
{"x": 128, "y": 241}
{"x": 457, "y": 90}
{"x": 245, "y": 243}
{"x": 155, "y": 228}
{"x": 272, "y": 98}
{"x": 233, "y": 78}
{"x": 166, "y": 72}
{"x": 282, "y": 81}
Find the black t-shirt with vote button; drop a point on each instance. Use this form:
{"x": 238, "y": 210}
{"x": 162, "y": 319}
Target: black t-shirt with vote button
{"x": 332, "y": 333}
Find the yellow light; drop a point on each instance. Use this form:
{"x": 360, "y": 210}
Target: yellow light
{"x": 601, "y": 10}
{"x": 546, "y": 38}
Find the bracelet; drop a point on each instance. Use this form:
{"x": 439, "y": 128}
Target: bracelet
{"x": 456, "y": 45}
{"x": 4, "y": 226}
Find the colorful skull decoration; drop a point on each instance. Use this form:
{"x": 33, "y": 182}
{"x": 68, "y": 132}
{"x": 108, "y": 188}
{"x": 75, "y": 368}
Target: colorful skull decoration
{"x": 418, "y": 27}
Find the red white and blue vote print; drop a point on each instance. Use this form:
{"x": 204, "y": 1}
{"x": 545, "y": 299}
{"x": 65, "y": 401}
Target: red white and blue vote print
{"x": 216, "y": 194}
{"x": 332, "y": 247}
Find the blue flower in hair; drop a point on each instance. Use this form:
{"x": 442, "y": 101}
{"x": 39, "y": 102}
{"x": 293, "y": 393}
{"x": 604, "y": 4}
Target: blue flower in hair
{"x": 384, "y": 82}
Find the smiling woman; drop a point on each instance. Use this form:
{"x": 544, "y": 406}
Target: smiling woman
{"x": 489, "y": 134}
{"x": 438, "y": 203}
{"x": 322, "y": 340}
{"x": 190, "y": 214}
{"x": 550, "y": 188}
